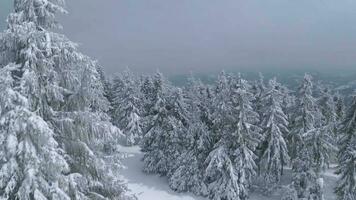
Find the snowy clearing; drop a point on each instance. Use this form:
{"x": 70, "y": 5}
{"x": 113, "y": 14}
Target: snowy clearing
{"x": 148, "y": 186}
{"x": 152, "y": 187}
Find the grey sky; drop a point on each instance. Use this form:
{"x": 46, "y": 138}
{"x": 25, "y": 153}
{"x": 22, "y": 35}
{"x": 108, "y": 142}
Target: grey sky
{"x": 178, "y": 36}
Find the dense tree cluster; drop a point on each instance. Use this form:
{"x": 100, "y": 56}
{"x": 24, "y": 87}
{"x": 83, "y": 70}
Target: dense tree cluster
{"x": 216, "y": 140}
{"x": 61, "y": 123}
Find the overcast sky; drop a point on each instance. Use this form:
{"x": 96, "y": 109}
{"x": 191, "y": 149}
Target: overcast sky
{"x": 179, "y": 36}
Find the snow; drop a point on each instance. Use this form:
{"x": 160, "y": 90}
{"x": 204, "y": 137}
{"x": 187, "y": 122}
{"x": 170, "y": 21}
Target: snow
{"x": 148, "y": 186}
{"x": 152, "y": 187}
{"x": 329, "y": 182}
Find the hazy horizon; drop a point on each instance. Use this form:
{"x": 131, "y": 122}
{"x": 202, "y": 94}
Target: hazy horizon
{"x": 206, "y": 36}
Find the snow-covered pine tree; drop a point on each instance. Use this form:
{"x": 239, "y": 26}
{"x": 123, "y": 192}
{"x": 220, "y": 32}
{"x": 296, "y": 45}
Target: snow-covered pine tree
{"x": 200, "y": 104}
{"x": 31, "y": 164}
{"x": 321, "y": 139}
{"x": 231, "y": 165}
{"x": 310, "y": 144}
{"x": 187, "y": 174}
{"x": 126, "y": 107}
{"x": 273, "y": 151}
{"x": 220, "y": 106}
{"x": 346, "y": 187}
{"x": 148, "y": 99}
{"x": 161, "y": 127}
{"x": 304, "y": 116}
{"x": 327, "y": 105}
{"x": 258, "y": 89}
{"x": 117, "y": 86}
{"x": 154, "y": 91}
{"x": 288, "y": 102}
{"x": 105, "y": 82}
{"x": 339, "y": 107}
{"x": 328, "y": 109}
{"x": 195, "y": 93}
{"x": 63, "y": 88}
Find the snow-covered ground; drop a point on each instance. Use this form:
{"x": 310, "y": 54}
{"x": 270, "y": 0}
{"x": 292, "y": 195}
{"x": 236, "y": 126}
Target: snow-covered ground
{"x": 153, "y": 187}
{"x": 148, "y": 186}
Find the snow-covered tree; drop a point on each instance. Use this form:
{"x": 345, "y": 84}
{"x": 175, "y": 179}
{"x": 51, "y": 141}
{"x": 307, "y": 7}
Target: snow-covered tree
{"x": 126, "y": 108}
{"x": 31, "y": 164}
{"x": 63, "y": 88}
{"x": 146, "y": 89}
{"x": 274, "y": 153}
{"x": 231, "y": 165}
{"x": 327, "y": 106}
{"x": 105, "y": 81}
{"x": 258, "y": 89}
{"x": 187, "y": 174}
{"x": 163, "y": 132}
{"x": 220, "y": 106}
{"x": 339, "y": 107}
{"x": 346, "y": 188}
{"x": 197, "y": 99}
{"x": 288, "y": 102}
{"x": 329, "y": 111}
{"x": 41, "y": 13}
{"x": 310, "y": 144}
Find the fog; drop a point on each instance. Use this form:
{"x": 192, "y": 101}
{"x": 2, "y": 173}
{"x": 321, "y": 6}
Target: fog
{"x": 179, "y": 36}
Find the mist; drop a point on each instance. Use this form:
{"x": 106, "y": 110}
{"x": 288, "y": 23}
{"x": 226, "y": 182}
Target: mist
{"x": 205, "y": 36}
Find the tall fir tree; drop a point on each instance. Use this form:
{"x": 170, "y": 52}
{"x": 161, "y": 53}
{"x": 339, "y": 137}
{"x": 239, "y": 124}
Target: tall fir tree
{"x": 329, "y": 111}
{"x": 309, "y": 147}
{"x": 32, "y": 165}
{"x": 126, "y": 107}
{"x": 258, "y": 89}
{"x": 64, "y": 94}
{"x": 160, "y": 129}
{"x": 339, "y": 103}
{"x": 187, "y": 174}
{"x": 346, "y": 187}
{"x": 274, "y": 152}
{"x": 230, "y": 166}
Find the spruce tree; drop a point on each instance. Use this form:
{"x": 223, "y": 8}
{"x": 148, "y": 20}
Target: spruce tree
{"x": 126, "y": 107}
{"x": 274, "y": 153}
{"x": 346, "y": 187}
{"x": 310, "y": 145}
{"x": 187, "y": 174}
{"x": 339, "y": 107}
{"x": 163, "y": 131}
{"x": 329, "y": 111}
{"x": 62, "y": 88}
{"x": 231, "y": 165}
{"x": 32, "y": 166}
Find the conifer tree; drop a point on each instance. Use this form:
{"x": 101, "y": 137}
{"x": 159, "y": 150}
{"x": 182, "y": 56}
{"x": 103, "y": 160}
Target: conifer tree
{"x": 220, "y": 106}
{"x": 346, "y": 187}
{"x": 339, "y": 107}
{"x": 231, "y": 165}
{"x": 32, "y": 166}
{"x": 328, "y": 109}
{"x": 258, "y": 89}
{"x": 163, "y": 129}
{"x": 62, "y": 88}
{"x": 310, "y": 145}
{"x": 274, "y": 153}
{"x": 126, "y": 107}
{"x": 187, "y": 174}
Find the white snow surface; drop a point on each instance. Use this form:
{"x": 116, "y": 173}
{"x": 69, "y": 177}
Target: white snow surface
{"x": 153, "y": 187}
{"x": 148, "y": 186}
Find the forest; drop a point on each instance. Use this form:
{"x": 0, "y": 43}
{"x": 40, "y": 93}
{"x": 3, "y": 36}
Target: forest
{"x": 63, "y": 122}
